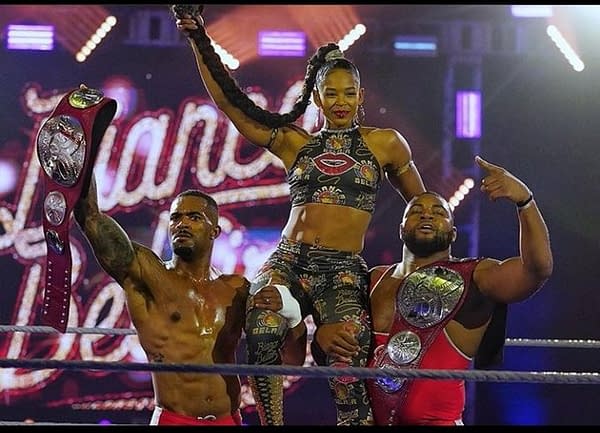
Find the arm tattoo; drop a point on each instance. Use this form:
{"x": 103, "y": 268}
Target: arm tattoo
{"x": 111, "y": 245}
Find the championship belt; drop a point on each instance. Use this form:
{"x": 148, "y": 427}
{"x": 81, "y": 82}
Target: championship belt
{"x": 67, "y": 145}
{"x": 424, "y": 304}
{"x": 426, "y": 300}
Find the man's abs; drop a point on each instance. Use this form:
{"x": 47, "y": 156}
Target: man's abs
{"x": 197, "y": 395}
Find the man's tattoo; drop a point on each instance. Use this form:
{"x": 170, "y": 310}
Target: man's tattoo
{"x": 112, "y": 245}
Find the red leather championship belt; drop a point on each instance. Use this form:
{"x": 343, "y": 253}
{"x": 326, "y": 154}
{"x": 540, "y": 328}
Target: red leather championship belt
{"x": 67, "y": 145}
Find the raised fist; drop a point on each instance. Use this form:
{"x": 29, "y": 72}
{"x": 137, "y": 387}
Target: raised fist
{"x": 186, "y": 9}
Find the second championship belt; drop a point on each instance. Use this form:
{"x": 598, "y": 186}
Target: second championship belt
{"x": 67, "y": 145}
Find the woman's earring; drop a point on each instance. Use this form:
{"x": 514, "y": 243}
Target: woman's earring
{"x": 360, "y": 115}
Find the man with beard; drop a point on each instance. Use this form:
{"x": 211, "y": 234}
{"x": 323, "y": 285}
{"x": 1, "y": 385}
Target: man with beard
{"x": 183, "y": 310}
{"x": 436, "y": 311}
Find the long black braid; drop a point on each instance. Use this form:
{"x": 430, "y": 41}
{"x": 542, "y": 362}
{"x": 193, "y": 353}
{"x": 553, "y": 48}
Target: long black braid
{"x": 237, "y": 97}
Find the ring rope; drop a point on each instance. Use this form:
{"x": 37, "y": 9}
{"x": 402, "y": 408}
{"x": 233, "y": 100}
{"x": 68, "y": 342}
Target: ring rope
{"x": 553, "y": 342}
{"x": 70, "y": 330}
{"x": 38, "y": 423}
{"x": 519, "y": 342}
{"x": 281, "y": 370}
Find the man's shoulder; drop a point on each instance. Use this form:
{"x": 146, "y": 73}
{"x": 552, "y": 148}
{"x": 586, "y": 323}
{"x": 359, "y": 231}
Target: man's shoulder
{"x": 147, "y": 257}
{"x": 235, "y": 281}
{"x": 380, "y": 268}
{"x": 377, "y": 274}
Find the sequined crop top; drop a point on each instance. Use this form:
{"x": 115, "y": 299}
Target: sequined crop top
{"x": 335, "y": 167}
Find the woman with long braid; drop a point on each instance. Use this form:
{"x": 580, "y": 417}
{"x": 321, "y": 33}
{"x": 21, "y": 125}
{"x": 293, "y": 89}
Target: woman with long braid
{"x": 334, "y": 177}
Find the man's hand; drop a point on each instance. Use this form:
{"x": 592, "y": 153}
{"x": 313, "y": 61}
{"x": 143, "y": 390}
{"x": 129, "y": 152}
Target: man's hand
{"x": 499, "y": 182}
{"x": 338, "y": 340}
{"x": 293, "y": 351}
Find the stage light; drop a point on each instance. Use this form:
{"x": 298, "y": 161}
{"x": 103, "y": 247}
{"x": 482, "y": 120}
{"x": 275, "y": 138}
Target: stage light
{"x": 122, "y": 89}
{"x": 415, "y": 45}
{"x": 10, "y": 174}
{"x": 281, "y": 43}
{"x": 468, "y": 114}
{"x": 531, "y": 11}
{"x": 565, "y": 48}
{"x": 352, "y": 36}
{"x": 226, "y": 57}
{"x": 94, "y": 40}
{"x": 30, "y": 37}
{"x": 461, "y": 193}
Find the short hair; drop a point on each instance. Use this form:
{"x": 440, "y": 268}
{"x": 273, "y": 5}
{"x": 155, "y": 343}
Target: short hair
{"x": 197, "y": 193}
{"x": 435, "y": 194}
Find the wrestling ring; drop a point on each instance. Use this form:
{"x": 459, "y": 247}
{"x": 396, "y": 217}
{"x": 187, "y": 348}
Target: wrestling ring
{"x": 546, "y": 377}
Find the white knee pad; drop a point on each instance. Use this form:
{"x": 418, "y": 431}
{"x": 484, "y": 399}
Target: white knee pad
{"x": 291, "y": 307}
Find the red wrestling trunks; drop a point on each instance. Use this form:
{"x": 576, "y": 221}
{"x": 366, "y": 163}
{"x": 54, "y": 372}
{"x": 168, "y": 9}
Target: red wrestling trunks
{"x": 162, "y": 416}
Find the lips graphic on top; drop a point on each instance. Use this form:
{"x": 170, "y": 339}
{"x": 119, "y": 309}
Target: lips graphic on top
{"x": 334, "y": 164}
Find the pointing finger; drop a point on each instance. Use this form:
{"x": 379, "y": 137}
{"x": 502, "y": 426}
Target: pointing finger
{"x": 486, "y": 165}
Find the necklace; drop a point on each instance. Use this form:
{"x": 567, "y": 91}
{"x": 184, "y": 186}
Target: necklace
{"x": 339, "y": 131}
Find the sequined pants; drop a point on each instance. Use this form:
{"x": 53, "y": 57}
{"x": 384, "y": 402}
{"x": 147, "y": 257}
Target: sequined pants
{"x": 330, "y": 285}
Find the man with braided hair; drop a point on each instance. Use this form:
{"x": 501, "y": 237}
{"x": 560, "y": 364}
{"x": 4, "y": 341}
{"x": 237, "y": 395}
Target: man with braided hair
{"x": 436, "y": 311}
{"x": 334, "y": 178}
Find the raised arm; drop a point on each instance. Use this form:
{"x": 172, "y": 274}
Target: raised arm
{"x": 259, "y": 126}
{"x": 400, "y": 170}
{"x": 257, "y": 133}
{"x": 515, "y": 278}
{"x": 112, "y": 247}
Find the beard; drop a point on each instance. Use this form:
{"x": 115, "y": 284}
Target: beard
{"x": 183, "y": 251}
{"x": 427, "y": 247}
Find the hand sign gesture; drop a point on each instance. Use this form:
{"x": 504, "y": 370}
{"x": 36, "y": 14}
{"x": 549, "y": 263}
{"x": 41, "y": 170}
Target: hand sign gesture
{"x": 498, "y": 182}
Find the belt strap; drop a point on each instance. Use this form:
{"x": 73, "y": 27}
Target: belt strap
{"x": 67, "y": 145}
